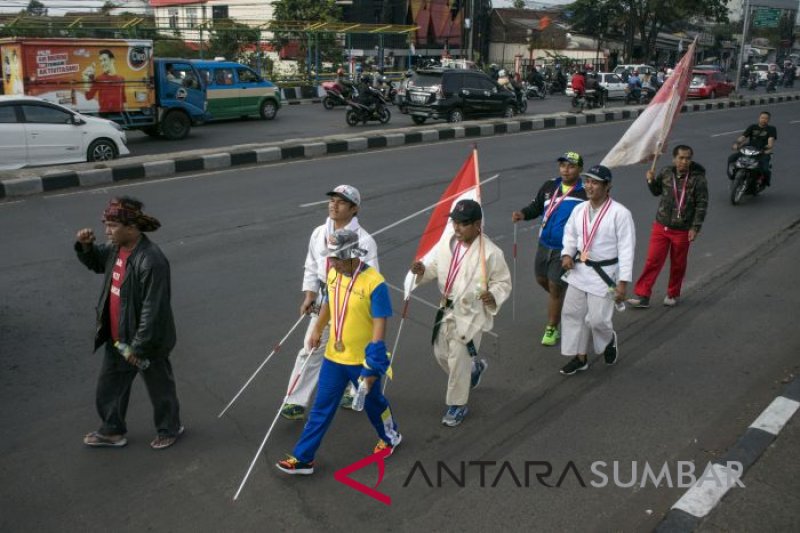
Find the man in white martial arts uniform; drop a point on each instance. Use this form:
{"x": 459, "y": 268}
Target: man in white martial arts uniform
{"x": 599, "y": 242}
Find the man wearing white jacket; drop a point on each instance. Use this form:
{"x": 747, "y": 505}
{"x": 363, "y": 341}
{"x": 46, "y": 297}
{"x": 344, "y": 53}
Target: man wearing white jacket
{"x": 599, "y": 242}
{"x": 343, "y": 206}
{"x": 474, "y": 281}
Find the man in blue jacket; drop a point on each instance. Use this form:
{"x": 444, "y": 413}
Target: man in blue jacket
{"x": 554, "y": 203}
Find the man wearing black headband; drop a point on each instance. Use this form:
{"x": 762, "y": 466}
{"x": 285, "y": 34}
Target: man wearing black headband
{"x": 134, "y": 321}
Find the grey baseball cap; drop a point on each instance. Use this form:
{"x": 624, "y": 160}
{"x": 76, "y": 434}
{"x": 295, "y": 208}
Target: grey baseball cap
{"x": 347, "y": 192}
{"x": 343, "y": 244}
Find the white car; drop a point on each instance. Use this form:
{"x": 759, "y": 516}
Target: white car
{"x": 608, "y": 80}
{"x": 36, "y": 132}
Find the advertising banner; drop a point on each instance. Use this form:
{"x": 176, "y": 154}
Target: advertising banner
{"x": 90, "y": 76}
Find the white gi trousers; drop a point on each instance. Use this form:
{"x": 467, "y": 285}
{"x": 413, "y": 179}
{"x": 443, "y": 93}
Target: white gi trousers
{"x": 584, "y": 314}
{"x": 301, "y": 395}
{"x": 452, "y": 355}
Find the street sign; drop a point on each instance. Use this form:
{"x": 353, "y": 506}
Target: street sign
{"x": 766, "y": 17}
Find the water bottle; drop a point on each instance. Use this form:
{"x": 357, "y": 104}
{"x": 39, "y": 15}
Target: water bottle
{"x": 126, "y": 352}
{"x": 619, "y": 306}
{"x": 361, "y": 395}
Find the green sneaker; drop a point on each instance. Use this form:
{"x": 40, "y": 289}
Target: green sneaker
{"x": 347, "y": 400}
{"x": 551, "y": 336}
{"x": 291, "y": 411}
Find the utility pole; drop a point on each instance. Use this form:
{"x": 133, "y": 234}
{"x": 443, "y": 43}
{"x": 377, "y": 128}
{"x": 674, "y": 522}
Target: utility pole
{"x": 737, "y": 81}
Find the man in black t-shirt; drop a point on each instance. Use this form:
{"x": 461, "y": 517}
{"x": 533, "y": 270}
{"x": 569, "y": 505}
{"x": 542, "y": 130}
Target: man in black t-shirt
{"x": 761, "y": 136}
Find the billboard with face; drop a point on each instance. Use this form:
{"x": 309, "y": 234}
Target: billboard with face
{"x": 90, "y": 76}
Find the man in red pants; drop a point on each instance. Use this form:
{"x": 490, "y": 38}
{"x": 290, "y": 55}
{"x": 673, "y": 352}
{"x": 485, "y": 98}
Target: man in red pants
{"x": 681, "y": 211}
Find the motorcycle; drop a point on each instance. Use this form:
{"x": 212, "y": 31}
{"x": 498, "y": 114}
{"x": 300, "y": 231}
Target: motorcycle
{"x": 590, "y": 99}
{"x": 772, "y": 82}
{"x": 747, "y": 175}
{"x": 338, "y": 93}
{"x": 535, "y": 91}
{"x": 639, "y": 95}
{"x": 358, "y": 112}
{"x": 519, "y": 94}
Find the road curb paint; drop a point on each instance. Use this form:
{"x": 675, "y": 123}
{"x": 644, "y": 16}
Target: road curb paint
{"x": 689, "y": 511}
{"x": 55, "y": 179}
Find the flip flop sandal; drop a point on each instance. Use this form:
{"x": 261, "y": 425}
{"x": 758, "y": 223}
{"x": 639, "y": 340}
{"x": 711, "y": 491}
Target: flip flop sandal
{"x": 98, "y": 440}
{"x": 165, "y": 441}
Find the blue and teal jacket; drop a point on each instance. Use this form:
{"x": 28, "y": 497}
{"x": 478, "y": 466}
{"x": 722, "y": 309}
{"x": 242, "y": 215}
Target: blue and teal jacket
{"x": 552, "y": 233}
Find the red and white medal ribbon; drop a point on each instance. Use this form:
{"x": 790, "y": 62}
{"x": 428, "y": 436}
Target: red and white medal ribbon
{"x": 339, "y": 314}
{"x": 682, "y": 200}
{"x": 554, "y": 205}
{"x": 455, "y": 265}
{"x": 588, "y": 236}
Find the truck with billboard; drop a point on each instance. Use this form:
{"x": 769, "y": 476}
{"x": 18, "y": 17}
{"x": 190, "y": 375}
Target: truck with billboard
{"x": 117, "y": 79}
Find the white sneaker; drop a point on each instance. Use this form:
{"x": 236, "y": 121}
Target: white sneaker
{"x": 670, "y": 302}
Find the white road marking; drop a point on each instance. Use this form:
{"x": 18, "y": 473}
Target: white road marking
{"x": 794, "y": 122}
{"x": 725, "y": 133}
{"x": 774, "y": 417}
{"x": 310, "y": 204}
{"x": 707, "y": 492}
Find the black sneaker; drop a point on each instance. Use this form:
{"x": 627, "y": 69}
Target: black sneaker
{"x": 640, "y": 302}
{"x": 611, "y": 353}
{"x": 575, "y": 365}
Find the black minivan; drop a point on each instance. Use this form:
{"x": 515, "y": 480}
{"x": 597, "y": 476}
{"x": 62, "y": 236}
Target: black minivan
{"x": 455, "y": 95}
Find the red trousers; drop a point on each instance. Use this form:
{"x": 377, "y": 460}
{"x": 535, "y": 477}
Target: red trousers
{"x": 664, "y": 240}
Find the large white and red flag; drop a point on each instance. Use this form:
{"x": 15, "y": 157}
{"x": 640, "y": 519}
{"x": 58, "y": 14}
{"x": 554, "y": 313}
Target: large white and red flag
{"x": 646, "y": 137}
{"x": 465, "y": 186}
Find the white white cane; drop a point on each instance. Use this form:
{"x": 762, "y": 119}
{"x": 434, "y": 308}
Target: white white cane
{"x": 396, "y": 342}
{"x": 273, "y": 352}
{"x": 514, "y": 280}
{"x": 272, "y": 426}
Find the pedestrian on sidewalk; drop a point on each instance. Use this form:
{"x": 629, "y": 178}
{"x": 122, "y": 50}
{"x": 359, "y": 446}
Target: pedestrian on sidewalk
{"x": 343, "y": 206}
{"x": 357, "y": 305}
{"x": 474, "y": 281}
{"x": 599, "y": 242}
{"x": 134, "y": 321}
{"x": 554, "y": 203}
{"x": 682, "y": 206}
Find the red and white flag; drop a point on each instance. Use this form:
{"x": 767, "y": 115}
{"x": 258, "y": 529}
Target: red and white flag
{"x": 648, "y": 134}
{"x": 465, "y": 186}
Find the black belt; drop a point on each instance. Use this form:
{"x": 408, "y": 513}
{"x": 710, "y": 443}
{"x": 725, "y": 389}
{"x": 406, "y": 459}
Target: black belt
{"x": 597, "y": 266}
{"x": 439, "y": 317}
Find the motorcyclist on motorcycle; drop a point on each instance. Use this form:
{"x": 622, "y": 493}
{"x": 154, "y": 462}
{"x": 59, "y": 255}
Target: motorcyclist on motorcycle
{"x": 535, "y": 78}
{"x": 366, "y": 93}
{"x": 761, "y": 136}
{"x": 579, "y": 84}
{"x": 592, "y": 84}
{"x": 634, "y": 87}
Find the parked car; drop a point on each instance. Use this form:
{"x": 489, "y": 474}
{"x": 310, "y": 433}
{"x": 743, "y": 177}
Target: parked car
{"x": 643, "y": 69}
{"x": 611, "y": 82}
{"x": 762, "y": 69}
{"x": 455, "y": 95}
{"x": 709, "y": 84}
{"x": 36, "y": 132}
{"x": 235, "y": 90}
{"x": 708, "y": 67}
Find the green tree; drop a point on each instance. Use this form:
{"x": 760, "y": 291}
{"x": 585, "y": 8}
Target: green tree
{"x": 229, "y": 36}
{"x": 308, "y": 10}
{"x": 36, "y": 8}
{"x": 519, "y": 4}
{"x": 641, "y": 18}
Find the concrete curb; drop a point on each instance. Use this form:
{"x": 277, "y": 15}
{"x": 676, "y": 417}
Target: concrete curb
{"x": 690, "y": 510}
{"x": 53, "y": 179}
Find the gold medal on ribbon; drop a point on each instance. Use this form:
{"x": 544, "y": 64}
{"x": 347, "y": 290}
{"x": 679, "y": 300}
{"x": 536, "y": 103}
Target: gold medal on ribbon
{"x": 584, "y": 257}
{"x": 339, "y": 346}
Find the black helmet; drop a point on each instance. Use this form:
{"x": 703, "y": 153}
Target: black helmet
{"x": 365, "y": 78}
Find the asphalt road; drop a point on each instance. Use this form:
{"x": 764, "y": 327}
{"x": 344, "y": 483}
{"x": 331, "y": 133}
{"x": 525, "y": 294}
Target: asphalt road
{"x": 299, "y": 121}
{"x": 689, "y": 379}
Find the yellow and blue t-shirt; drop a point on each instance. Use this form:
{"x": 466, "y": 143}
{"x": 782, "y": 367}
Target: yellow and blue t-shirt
{"x": 369, "y": 299}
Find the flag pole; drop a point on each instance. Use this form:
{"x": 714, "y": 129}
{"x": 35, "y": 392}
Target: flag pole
{"x": 396, "y": 341}
{"x": 273, "y": 352}
{"x": 271, "y": 427}
{"x": 514, "y": 281}
{"x": 482, "y": 248}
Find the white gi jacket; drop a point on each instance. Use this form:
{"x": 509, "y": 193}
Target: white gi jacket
{"x": 615, "y": 237}
{"x": 468, "y": 312}
{"x": 314, "y": 272}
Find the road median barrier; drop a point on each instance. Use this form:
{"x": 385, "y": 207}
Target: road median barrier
{"x": 30, "y": 181}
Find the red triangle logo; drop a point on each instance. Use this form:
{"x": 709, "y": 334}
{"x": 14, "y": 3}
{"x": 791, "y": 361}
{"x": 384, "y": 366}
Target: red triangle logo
{"x": 342, "y": 475}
